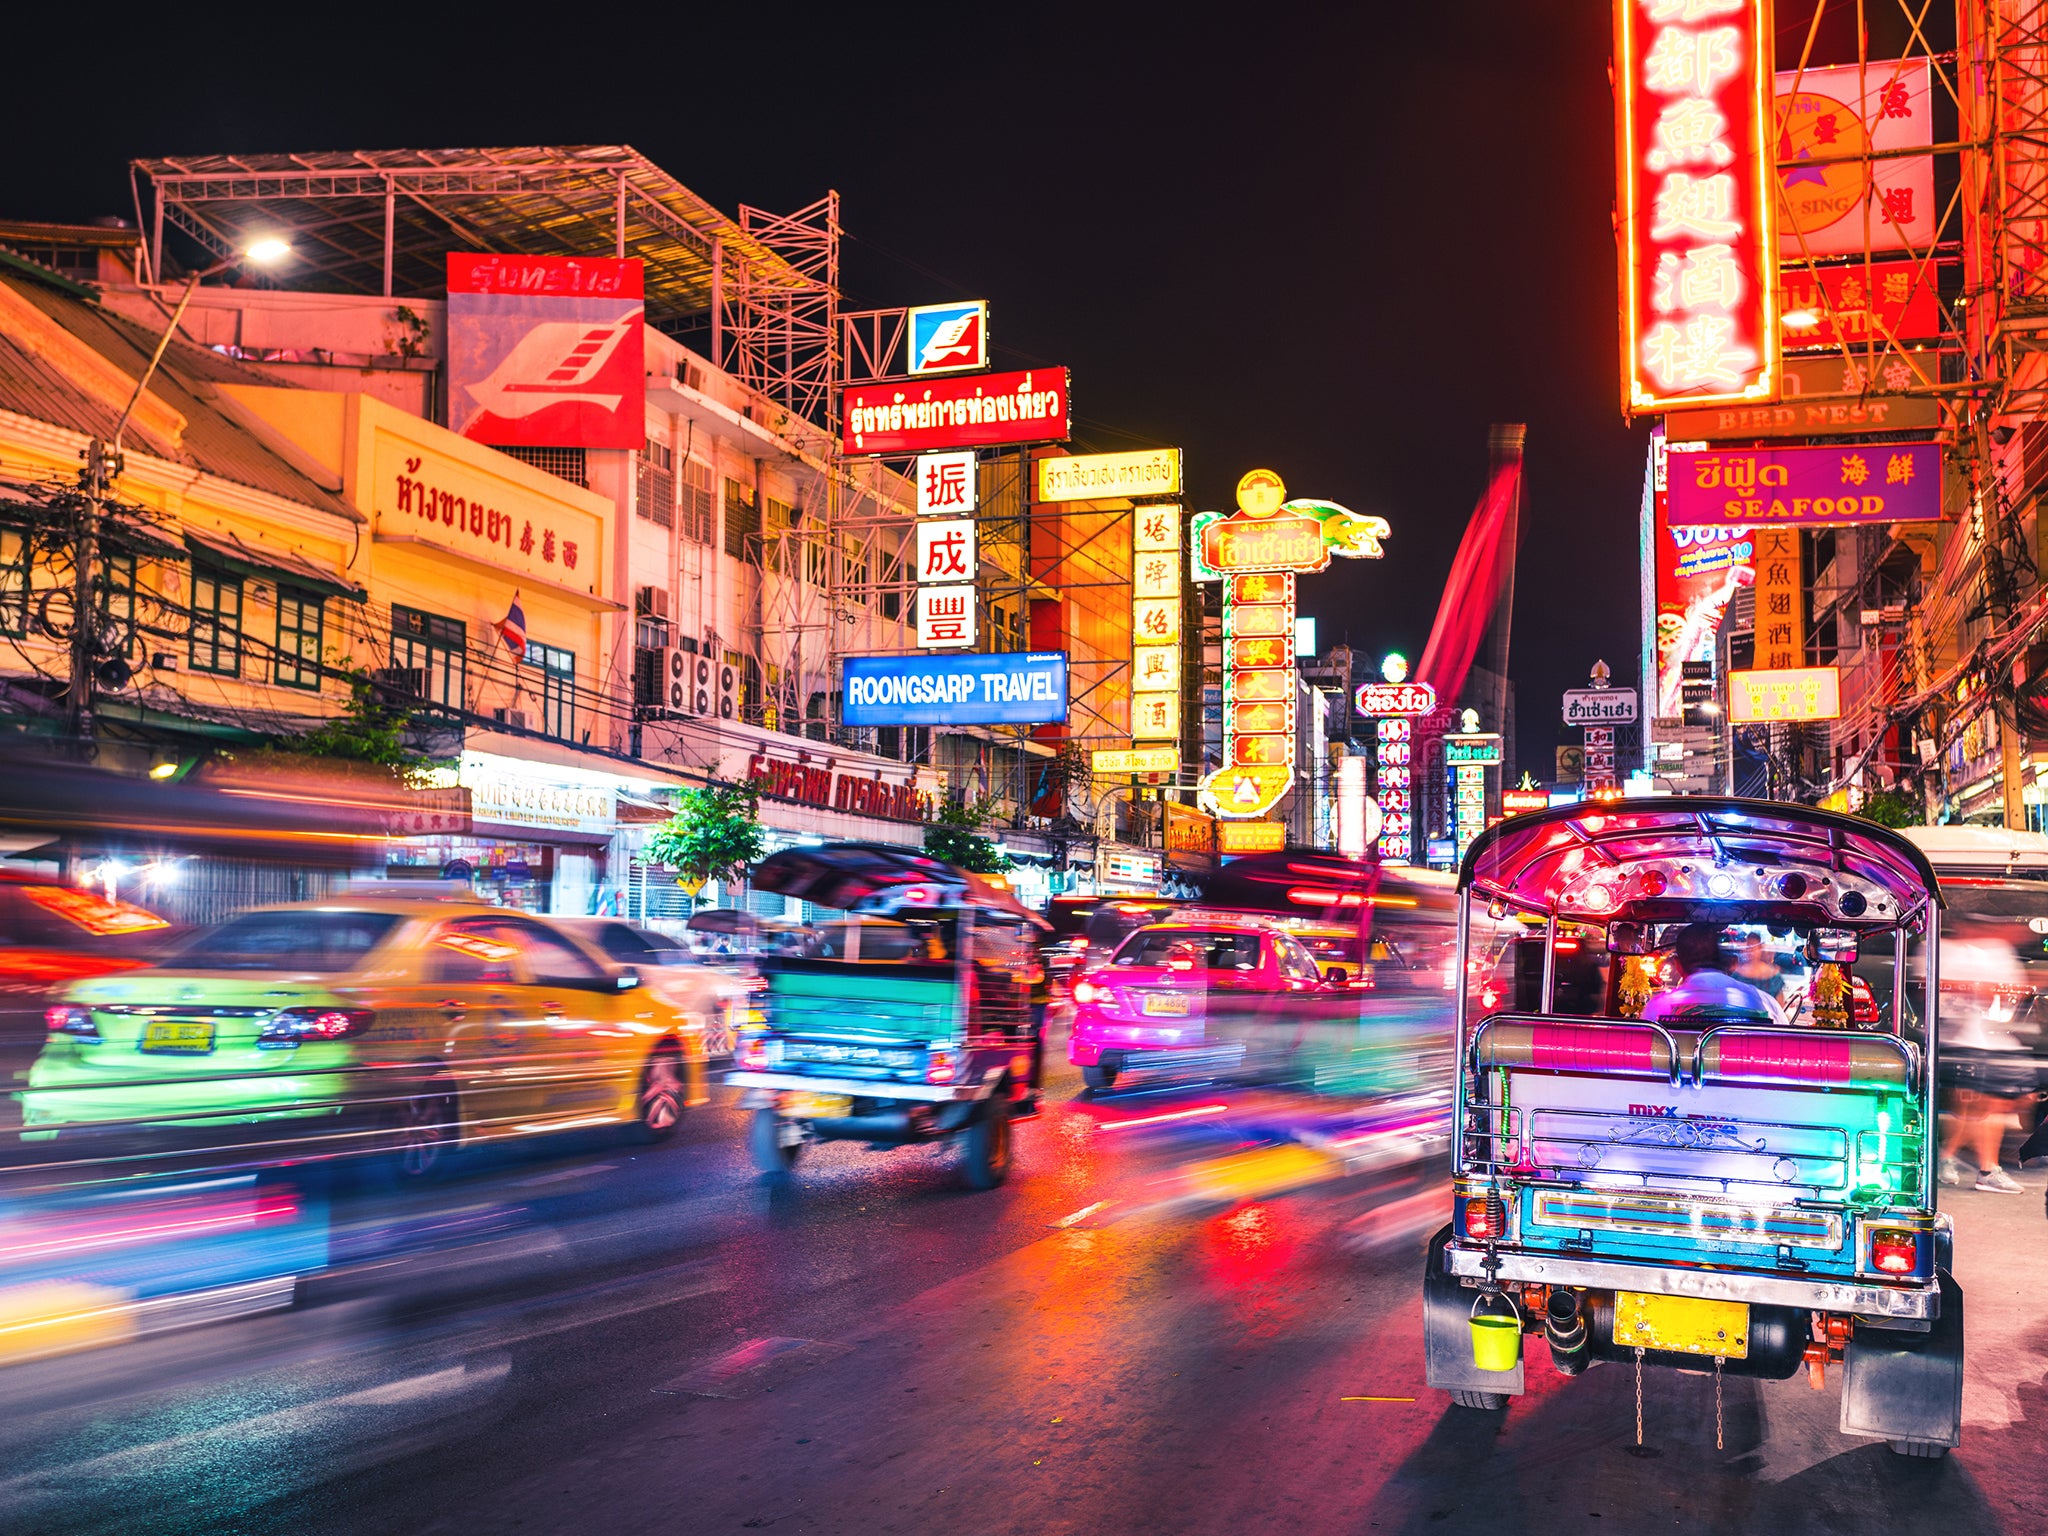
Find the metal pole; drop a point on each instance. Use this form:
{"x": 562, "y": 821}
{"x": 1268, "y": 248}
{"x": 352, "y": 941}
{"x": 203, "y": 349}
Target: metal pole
{"x": 1930, "y": 1138}
{"x": 1549, "y": 963}
{"x": 390, "y": 229}
{"x": 1458, "y": 1013}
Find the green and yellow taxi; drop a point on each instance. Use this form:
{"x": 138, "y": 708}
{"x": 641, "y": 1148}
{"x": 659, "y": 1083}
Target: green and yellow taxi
{"x": 402, "y": 1026}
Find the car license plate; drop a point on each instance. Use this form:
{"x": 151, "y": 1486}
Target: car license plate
{"x": 1689, "y": 1325}
{"x": 817, "y": 1106}
{"x": 1166, "y": 1004}
{"x": 177, "y": 1037}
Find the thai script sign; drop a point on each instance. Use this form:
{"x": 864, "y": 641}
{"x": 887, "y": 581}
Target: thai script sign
{"x": 1277, "y": 544}
{"x": 433, "y": 498}
{"x": 947, "y": 338}
{"x": 819, "y": 785}
{"x": 1394, "y": 699}
{"x": 547, "y": 351}
{"x": 1471, "y": 751}
{"x": 516, "y": 801}
{"x": 1829, "y": 192}
{"x": 1698, "y": 234}
{"x": 1114, "y": 763}
{"x": 1598, "y": 706}
{"x": 1022, "y": 688}
{"x": 1792, "y": 693}
{"x": 1101, "y": 476}
{"x": 1805, "y": 487}
{"x": 1234, "y": 838}
{"x": 982, "y": 411}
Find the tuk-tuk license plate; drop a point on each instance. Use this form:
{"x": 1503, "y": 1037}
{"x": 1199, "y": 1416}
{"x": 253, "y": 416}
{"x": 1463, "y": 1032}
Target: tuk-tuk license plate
{"x": 817, "y": 1106}
{"x": 177, "y": 1037}
{"x": 1688, "y": 1325}
{"x": 1166, "y": 1004}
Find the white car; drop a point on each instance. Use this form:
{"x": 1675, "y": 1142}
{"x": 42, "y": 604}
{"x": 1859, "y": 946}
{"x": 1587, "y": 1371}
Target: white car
{"x": 713, "y": 999}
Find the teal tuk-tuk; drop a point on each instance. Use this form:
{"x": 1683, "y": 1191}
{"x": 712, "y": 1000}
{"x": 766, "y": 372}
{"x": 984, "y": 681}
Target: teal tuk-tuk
{"x": 912, "y": 1022}
{"x": 1649, "y": 1180}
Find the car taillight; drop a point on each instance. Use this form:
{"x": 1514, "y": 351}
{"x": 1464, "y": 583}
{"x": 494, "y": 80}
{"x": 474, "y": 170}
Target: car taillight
{"x": 290, "y": 1027}
{"x": 942, "y": 1065}
{"x": 1085, "y": 991}
{"x": 1893, "y": 1252}
{"x": 65, "y": 1019}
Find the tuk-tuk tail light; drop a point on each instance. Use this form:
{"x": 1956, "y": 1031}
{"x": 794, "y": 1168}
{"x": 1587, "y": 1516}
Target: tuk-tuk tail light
{"x": 757, "y": 1051}
{"x": 942, "y": 1065}
{"x": 1483, "y": 1217}
{"x": 1894, "y": 1251}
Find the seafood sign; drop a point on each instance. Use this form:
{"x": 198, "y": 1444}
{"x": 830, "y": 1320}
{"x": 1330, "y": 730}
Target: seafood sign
{"x": 1805, "y": 487}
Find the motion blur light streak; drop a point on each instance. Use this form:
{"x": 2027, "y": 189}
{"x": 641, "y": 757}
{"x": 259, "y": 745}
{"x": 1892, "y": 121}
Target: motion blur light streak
{"x": 1178, "y": 1114}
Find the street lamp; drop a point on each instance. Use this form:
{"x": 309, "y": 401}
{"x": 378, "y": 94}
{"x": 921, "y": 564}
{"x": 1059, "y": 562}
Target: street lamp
{"x": 103, "y": 468}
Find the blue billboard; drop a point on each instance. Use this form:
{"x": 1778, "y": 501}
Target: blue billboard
{"x": 1022, "y": 688}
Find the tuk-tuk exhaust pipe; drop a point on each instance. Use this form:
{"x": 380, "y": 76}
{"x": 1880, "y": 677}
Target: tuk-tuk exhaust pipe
{"x": 1564, "y": 1325}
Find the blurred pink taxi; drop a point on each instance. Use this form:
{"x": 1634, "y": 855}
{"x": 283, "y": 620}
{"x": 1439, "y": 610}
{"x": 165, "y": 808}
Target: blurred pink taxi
{"x": 1148, "y": 1006}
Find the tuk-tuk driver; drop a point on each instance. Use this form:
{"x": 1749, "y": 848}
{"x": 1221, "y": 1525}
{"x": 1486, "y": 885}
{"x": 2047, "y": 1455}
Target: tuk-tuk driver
{"x": 1707, "y": 983}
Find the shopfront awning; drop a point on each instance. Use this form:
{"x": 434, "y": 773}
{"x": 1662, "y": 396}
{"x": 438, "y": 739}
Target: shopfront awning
{"x": 244, "y": 559}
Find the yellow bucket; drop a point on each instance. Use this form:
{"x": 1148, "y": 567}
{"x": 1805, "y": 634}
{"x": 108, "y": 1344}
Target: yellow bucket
{"x": 1496, "y": 1337}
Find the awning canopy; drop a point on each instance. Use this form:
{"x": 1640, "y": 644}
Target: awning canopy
{"x": 243, "y": 559}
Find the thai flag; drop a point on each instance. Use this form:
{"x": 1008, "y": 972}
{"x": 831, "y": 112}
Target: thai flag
{"x": 512, "y": 629}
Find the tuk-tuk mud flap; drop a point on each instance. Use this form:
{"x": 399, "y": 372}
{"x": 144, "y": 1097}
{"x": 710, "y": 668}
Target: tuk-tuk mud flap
{"x": 1898, "y": 1385}
{"x": 1447, "y": 1332}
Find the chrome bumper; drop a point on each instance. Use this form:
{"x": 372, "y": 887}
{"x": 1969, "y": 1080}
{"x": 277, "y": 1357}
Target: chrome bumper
{"x": 860, "y": 1088}
{"x": 1823, "y": 1294}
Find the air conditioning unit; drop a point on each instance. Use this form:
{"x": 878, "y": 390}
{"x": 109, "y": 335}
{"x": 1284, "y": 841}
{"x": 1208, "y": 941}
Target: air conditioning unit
{"x": 515, "y": 718}
{"x": 675, "y": 680}
{"x": 728, "y": 691}
{"x": 650, "y": 602}
{"x": 703, "y": 678}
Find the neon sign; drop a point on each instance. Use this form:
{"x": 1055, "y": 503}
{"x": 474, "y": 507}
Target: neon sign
{"x": 1698, "y": 236}
{"x": 1255, "y": 552}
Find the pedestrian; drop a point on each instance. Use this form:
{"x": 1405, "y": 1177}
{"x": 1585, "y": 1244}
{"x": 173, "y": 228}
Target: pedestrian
{"x": 1988, "y": 1075}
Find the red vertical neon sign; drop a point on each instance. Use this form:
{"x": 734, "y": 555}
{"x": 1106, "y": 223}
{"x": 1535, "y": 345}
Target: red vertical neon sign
{"x": 1698, "y": 216}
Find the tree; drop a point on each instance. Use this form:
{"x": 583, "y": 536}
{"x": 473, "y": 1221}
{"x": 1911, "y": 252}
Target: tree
{"x": 1893, "y": 808}
{"x": 368, "y": 731}
{"x": 715, "y": 833}
{"x": 954, "y": 834}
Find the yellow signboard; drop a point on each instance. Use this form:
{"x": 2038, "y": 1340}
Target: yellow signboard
{"x": 1107, "y": 476}
{"x": 1137, "y": 760}
{"x": 1236, "y": 837}
{"x": 1789, "y": 693}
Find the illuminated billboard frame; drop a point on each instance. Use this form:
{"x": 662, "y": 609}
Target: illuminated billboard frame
{"x": 1698, "y": 195}
{"x": 1785, "y": 693}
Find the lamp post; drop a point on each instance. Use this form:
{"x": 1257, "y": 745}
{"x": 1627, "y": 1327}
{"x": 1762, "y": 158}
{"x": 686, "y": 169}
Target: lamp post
{"x": 102, "y": 469}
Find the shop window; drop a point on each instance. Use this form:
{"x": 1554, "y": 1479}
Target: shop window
{"x": 654, "y": 484}
{"x": 300, "y": 618}
{"x": 14, "y": 581}
{"x": 437, "y": 649}
{"x": 694, "y": 504}
{"x": 216, "y": 640}
{"x": 557, "y": 669}
{"x": 742, "y": 519}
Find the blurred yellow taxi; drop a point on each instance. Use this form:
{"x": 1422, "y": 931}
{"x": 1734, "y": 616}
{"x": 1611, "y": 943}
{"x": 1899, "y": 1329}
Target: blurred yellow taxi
{"x": 405, "y": 1026}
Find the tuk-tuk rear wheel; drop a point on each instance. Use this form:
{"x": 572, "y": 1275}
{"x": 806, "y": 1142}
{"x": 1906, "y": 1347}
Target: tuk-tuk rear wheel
{"x": 1480, "y": 1399}
{"x": 1932, "y": 1450}
{"x": 772, "y": 1155}
{"x": 985, "y": 1144}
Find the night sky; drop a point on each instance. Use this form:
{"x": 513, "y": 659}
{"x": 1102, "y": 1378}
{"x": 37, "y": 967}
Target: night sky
{"x": 1338, "y": 242}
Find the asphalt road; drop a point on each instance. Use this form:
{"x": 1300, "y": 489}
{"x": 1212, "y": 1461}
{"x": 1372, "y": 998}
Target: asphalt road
{"x": 591, "y": 1338}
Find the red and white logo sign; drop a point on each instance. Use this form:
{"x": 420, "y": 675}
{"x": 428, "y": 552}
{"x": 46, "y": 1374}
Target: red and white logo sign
{"x": 546, "y": 351}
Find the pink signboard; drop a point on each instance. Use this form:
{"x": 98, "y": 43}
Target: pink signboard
{"x": 1804, "y": 487}
{"x": 547, "y": 351}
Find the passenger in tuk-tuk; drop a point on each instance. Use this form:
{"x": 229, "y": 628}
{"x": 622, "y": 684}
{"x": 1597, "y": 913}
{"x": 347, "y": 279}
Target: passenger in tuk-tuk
{"x": 1707, "y": 982}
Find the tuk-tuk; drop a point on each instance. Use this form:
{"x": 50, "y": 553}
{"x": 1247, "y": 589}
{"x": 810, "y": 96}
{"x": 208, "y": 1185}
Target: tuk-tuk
{"x": 1702, "y": 1188}
{"x": 918, "y": 1023}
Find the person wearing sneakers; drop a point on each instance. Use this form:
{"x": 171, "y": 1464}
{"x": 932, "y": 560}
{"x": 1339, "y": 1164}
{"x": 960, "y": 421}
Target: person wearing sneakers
{"x": 1988, "y": 1073}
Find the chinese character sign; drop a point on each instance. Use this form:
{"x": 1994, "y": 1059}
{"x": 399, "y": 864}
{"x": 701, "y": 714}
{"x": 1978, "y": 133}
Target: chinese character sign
{"x": 1780, "y": 600}
{"x": 1826, "y": 187}
{"x": 947, "y": 485}
{"x": 945, "y": 617}
{"x": 1795, "y": 693}
{"x": 945, "y": 550}
{"x": 1698, "y": 236}
{"x": 1155, "y": 623}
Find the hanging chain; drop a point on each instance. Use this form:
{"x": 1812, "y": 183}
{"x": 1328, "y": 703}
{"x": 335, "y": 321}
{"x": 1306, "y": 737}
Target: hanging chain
{"x": 1720, "y": 1443}
{"x": 1639, "y": 1395}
